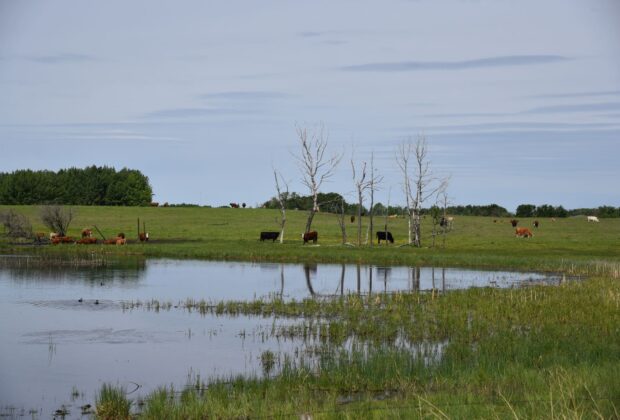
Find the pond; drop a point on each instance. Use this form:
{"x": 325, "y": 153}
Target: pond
{"x": 64, "y": 331}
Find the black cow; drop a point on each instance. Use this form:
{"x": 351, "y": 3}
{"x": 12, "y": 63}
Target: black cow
{"x": 536, "y": 224}
{"x": 310, "y": 236}
{"x": 514, "y": 222}
{"x": 265, "y": 236}
{"x": 385, "y": 236}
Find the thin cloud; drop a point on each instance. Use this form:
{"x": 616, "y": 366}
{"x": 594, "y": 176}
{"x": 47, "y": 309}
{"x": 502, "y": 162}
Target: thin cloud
{"x": 246, "y": 95}
{"x": 577, "y": 94}
{"x": 310, "y": 34}
{"x": 60, "y": 58}
{"x": 503, "y": 61}
{"x": 609, "y": 106}
{"x": 193, "y": 113}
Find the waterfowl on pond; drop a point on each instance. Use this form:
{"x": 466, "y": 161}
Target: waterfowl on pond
{"x": 80, "y": 300}
{"x": 97, "y": 302}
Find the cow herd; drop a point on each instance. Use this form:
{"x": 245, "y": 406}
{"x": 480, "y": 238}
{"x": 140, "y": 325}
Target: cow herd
{"x": 520, "y": 232}
{"x": 86, "y": 239}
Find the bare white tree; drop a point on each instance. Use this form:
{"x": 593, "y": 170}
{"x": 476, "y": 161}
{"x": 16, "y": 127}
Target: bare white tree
{"x": 281, "y": 198}
{"x": 361, "y": 185}
{"x": 419, "y": 183}
{"x": 341, "y": 222}
{"x": 315, "y": 167}
{"x": 373, "y": 183}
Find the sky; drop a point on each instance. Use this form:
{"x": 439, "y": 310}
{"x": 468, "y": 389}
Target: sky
{"x": 519, "y": 101}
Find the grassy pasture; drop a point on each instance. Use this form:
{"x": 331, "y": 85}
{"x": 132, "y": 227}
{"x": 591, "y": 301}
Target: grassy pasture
{"x": 540, "y": 352}
{"x": 567, "y": 244}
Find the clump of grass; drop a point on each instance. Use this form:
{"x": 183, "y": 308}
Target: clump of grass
{"x": 112, "y": 404}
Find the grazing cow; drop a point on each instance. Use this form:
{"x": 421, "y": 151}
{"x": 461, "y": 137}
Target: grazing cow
{"x": 144, "y": 236}
{"x": 87, "y": 241}
{"x": 110, "y": 241}
{"x": 514, "y": 222}
{"x": 592, "y": 219}
{"x": 553, "y": 219}
{"x": 536, "y": 224}
{"x": 62, "y": 240}
{"x": 265, "y": 236}
{"x": 121, "y": 241}
{"x": 523, "y": 232}
{"x": 446, "y": 222}
{"x": 352, "y": 219}
{"x": 53, "y": 235}
{"x": 154, "y": 204}
{"x": 384, "y": 236}
{"x": 234, "y": 205}
{"x": 87, "y": 233}
{"x": 310, "y": 236}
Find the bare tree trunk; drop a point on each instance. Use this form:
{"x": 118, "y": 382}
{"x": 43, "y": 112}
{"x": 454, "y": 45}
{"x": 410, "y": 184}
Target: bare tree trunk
{"x": 387, "y": 213}
{"x": 282, "y": 197}
{"x": 342, "y": 223}
{"x": 424, "y": 182}
{"x": 374, "y": 180}
{"x": 361, "y": 185}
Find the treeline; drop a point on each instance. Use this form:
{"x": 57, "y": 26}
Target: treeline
{"x": 93, "y": 185}
{"x": 546, "y": 210}
{"x": 332, "y": 202}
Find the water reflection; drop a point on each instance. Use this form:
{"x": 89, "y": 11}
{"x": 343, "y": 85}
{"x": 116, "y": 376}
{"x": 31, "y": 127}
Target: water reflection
{"x": 59, "y": 338}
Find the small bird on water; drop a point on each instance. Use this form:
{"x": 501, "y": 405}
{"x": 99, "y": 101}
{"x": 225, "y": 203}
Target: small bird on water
{"x": 97, "y": 302}
{"x": 80, "y": 300}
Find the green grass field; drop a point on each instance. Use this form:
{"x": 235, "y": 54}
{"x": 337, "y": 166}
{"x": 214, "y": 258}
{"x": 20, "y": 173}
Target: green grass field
{"x": 567, "y": 244}
{"x": 539, "y": 352}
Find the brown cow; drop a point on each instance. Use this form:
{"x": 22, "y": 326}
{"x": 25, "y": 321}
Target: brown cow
{"x": 87, "y": 233}
{"x": 523, "y": 232}
{"x": 121, "y": 235}
{"x": 87, "y": 241}
{"x": 121, "y": 241}
{"x": 310, "y": 236}
{"x": 536, "y": 224}
{"x": 110, "y": 241}
{"x": 62, "y": 240}
{"x": 144, "y": 237}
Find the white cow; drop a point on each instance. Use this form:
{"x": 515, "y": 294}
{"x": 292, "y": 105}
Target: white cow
{"x": 592, "y": 219}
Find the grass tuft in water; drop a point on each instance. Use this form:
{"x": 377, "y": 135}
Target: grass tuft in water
{"x": 112, "y": 404}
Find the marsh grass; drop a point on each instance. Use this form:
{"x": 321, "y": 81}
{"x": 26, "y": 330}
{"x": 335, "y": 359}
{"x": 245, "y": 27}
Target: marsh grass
{"x": 112, "y": 403}
{"x": 536, "y": 352}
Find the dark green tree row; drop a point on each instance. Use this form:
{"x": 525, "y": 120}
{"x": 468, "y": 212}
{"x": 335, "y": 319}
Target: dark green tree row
{"x": 93, "y": 185}
{"x": 545, "y": 210}
{"x": 331, "y": 202}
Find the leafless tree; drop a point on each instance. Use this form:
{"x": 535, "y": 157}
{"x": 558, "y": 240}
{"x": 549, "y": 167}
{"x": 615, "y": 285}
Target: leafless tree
{"x": 57, "y": 218}
{"x": 361, "y": 185}
{"x": 341, "y": 222}
{"x": 419, "y": 183}
{"x": 16, "y": 225}
{"x": 443, "y": 201}
{"x": 281, "y": 198}
{"x": 387, "y": 212}
{"x": 373, "y": 183}
{"x": 315, "y": 167}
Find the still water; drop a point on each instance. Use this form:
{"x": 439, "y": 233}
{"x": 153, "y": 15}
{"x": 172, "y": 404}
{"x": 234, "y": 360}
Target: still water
{"x": 58, "y": 346}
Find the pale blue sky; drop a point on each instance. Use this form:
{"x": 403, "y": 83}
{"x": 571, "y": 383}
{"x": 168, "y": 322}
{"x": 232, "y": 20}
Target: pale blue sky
{"x": 520, "y": 101}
